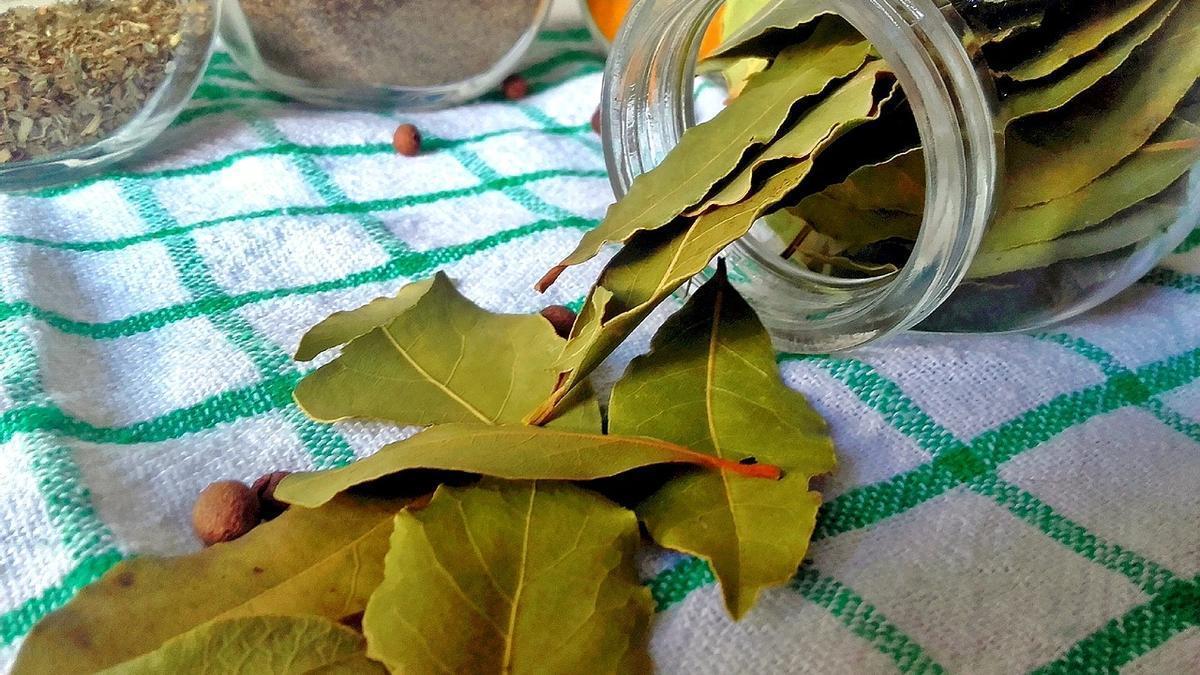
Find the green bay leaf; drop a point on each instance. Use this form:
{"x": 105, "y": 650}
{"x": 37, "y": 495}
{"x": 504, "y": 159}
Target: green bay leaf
{"x": 1057, "y": 154}
{"x": 1100, "y": 24}
{"x": 853, "y": 103}
{"x": 651, "y": 266}
{"x": 443, "y": 360}
{"x": 1174, "y": 151}
{"x": 258, "y": 645}
{"x": 710, "y": 380}
{"x": 709, "y": 152}
{"x": 505, "y": 577}
{"x": 1044, "y": 96}
{"x": 322, "y": 562}
{"x": 514, "y": 452}
{"x": 342, "y": 327}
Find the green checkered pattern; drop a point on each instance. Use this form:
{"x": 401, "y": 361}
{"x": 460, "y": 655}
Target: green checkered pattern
{"x": 1005, "y": 504}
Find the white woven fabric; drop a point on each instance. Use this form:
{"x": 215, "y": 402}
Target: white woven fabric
{"x": 1003, "y": 503}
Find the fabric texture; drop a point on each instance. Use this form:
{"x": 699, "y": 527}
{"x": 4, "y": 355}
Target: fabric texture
{"x": 1004, "y": 503}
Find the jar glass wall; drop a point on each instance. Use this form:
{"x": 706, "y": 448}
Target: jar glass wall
{"x": 415, "y": 54}
{"x": 84, "y": 83}
{"x": 1048, "y": 158}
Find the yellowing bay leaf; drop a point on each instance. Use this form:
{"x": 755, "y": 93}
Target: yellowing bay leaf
{"x": 1140, "y": 224}
{"x": 1100, "y": 24}
{"x": 895, "y": 185}
{"x": 258, "y": 645}
{"x": 711, "y": 380}
{"x": 847, "y": 106}
{"x": 854, "y": 227}
{"x": 709, "y": 152}
{"x": 1175, "y": 151}
{"x": 443, "y": 360}
{"x": 648, "y": 269}
{"x": 323, "y": 562}
{"x": 1059, "y": 153}
{"x": 342, "y": 327}
{"x": 1044, "y": 96}
{"x": 512, "y": 578}
{"x": 747, "y": 23}
{"x": 514, "y": 452}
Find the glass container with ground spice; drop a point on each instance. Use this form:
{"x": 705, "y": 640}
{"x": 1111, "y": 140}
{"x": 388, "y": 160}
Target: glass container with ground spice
{"x": 84, "y": 83}
{"x": 949, "y": 165}
{"x": 411, "y": 54}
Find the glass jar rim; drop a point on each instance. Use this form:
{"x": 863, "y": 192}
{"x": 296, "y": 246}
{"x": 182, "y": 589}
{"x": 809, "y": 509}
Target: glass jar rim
{"x": 647, "y": 103}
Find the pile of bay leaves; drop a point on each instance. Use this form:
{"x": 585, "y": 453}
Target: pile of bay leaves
{"x": 481, "y": 544}
{"x": 503, "y": 536}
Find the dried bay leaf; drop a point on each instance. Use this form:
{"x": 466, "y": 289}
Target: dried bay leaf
{"x": 897, "y": 184}
{"x": 711, "y": 381}
{"x": 1151, "y": 170}
{"x": 1057, "y": 154}
{"x": 651, "y": 266}
{"x": 681, "y": 181}
{"x": 855, "y": 227}
{"x": 443, "y": 360}
{"x": 342, "y": 327}
{"x": 513, "y": 452}
{"x": 534, "y": 577}
{"x": 1140, "y": 224}
{"x": 323, "y": 562}
{"x": 855, "y": 102}
{"x": 257, "y": 645}
{"x": 1040, "y": 97}
{"x": 756, "y": 28}
{"x": 1092, "y": 32}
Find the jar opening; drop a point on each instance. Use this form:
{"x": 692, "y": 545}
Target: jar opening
{"x": 818, "y": 297}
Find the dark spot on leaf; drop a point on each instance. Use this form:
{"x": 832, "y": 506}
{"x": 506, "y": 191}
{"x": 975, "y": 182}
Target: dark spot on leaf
{"x": 81, "y": 638}
{"x": 258, "y": 570}
{"x": 749, "y": 461}
{"x": 125, "y": 579}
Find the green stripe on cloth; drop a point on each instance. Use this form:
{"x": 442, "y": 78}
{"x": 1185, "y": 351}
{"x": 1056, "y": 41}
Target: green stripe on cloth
{"x": 344, "y": 209}
{"x": 287, "y": 149}
{"x": 412, "y": 265}
{"x": 324, "y": 445}
{"x": 1139, "y": 631}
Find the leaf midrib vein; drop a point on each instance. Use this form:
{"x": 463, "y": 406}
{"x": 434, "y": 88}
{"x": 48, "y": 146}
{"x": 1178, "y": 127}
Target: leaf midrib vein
{"x": 450, "y": 393}
{"x": 506, "y": 663}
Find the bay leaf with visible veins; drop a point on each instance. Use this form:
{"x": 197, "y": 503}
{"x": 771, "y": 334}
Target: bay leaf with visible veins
{"x": 651, "y": 266}
{"x": 257, "y": 645}
{"x": 711, "y": 381}
{"x": 513, "y": 452}
{"x": 1097, "y": 26}
{"x": 322, "y": 562}
{"x": 1174, "y": 151}
{"x": 342, "y": 327}
{"x": 848, "y": 105}
{"x": 444, "y": 360}
{"x": 1056, "y": 154}
{"x": 512, "y": 577}
{"x": 1045, "y": 96}
{"x": 709, "y": 152}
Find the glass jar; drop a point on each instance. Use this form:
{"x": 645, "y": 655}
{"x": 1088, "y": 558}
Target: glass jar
{"x": 980, "y": 260}
{"x": 84, "y": 83}
{"x": 411, "y": 54}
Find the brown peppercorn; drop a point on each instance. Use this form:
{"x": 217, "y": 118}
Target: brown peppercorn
{"x": 224, "y": 511}
{"x": 407, "y": 140}
{"x": 561, "y": 317}
{"x": 515, "y": 87}
{"x": 264, "y": 488}
{"x": 596, "y": 121}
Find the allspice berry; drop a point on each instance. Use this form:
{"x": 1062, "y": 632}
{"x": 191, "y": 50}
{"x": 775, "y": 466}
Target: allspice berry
{"x": 561, "y": 317}
{"x": 407, "y": 140}
{"x": 225, "y": 511}
{"x": 515, "y": 87}
{"x": 264, "y": 488}
{"x": 596, "y": 121}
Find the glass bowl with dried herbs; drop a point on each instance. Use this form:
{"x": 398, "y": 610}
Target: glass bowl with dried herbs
{"x": 407, "y": 54}
{"x": 84, "y": 83}
{"x": 970, "y": 165}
